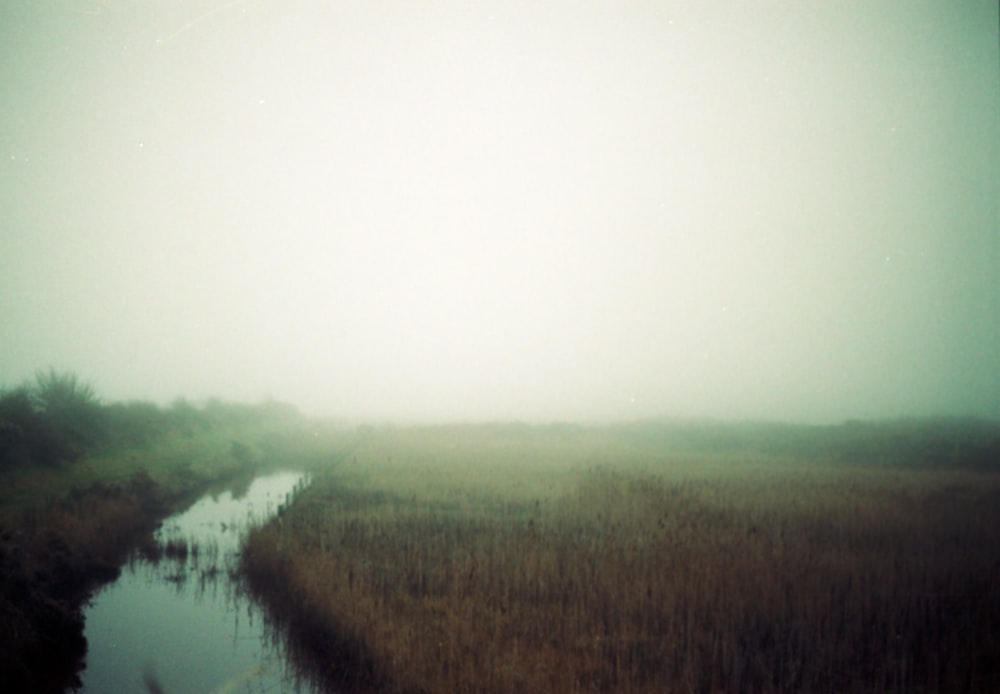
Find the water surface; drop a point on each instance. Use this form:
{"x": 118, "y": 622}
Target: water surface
{"x": 180, "y": 623}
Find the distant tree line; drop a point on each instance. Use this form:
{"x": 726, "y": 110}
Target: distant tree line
{"x": 932, "y": 442}
{"x": 57, "y": 419}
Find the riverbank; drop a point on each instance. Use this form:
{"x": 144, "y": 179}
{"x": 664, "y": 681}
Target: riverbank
{"x": 66, "y": 531}
{"x": 51, "y": 558}
{"x": 577, "y": 559}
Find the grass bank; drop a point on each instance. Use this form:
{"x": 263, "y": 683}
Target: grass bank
{"x": 572, "y": 559}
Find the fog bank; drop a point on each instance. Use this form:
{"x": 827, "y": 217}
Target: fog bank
{"x": 552, "y": 210}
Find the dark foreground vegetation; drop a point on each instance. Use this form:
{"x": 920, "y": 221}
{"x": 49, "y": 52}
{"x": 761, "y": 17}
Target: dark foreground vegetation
{"x": 83, "y": 483}
{"x": 646, "y": 558}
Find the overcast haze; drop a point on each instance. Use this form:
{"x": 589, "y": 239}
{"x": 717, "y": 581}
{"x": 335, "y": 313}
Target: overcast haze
{"x": 503, "y": 210}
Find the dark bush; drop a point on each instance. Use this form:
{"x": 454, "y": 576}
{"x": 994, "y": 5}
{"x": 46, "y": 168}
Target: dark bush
{"x": 185, "y": 417}
{"x": 53, "y": 420}
{"x": 135, "y": 423}
{"x": 17, "y": 423}
{"x": 71, "y": 417}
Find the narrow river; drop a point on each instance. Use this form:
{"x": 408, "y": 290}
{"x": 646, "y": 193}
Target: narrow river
{"x": 178, "y": 623}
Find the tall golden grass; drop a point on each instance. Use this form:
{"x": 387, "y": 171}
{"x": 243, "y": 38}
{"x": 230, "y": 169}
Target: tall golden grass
{"x": 435, "y": 565}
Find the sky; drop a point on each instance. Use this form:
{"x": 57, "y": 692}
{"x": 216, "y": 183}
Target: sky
{"x": 424, "y": 210}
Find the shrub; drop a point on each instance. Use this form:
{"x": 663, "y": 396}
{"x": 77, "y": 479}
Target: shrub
{"x": 55, "y": 419}
{"x": 17, "y": 422}
{"x": 134, "y": 423}
{"x": 70, "y": 416}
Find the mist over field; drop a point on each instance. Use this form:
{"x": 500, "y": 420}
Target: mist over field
{"x": 546, "y": 210}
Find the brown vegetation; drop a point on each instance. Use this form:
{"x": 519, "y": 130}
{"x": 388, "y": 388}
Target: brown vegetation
{"x": 449, "y": 561}
{"x": 50, "y": 559}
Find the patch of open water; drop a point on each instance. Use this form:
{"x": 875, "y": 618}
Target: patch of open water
{"x": 179, "y": 622}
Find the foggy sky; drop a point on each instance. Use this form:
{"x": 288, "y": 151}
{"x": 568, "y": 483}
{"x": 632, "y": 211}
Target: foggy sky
{"x": 504, "y": 210}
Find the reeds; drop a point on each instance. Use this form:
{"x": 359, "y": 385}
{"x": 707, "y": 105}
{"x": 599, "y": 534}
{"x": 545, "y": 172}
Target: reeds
{"x": 639, "y": 577}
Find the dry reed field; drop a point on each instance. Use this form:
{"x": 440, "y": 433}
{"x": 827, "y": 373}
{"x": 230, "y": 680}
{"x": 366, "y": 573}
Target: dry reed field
{"x": 471, "y": 560}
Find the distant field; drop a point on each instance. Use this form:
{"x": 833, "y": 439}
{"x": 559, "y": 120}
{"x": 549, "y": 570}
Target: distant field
{"x": 646, "y": 558}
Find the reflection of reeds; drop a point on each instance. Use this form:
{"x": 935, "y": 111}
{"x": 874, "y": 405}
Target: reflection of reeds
{"x": 176, "y": 559}
{"x": 637, "y": 582}
{"x": 152, "y": 683}
{"x": 177, "y": 549}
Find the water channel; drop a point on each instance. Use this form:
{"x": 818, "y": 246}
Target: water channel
{"x": 178, "y": 622}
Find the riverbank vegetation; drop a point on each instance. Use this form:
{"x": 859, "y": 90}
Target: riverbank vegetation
{"x": 646, "y": 558}
{"x": 84, "y": 483}
{"x": 56, "y": 435}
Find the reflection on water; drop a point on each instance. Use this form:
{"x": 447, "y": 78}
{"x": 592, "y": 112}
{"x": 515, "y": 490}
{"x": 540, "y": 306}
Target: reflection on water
{"x": 175, "y": 621}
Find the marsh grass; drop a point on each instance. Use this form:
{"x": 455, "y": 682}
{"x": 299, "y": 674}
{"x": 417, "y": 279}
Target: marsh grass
{"x": 448, "y": 561}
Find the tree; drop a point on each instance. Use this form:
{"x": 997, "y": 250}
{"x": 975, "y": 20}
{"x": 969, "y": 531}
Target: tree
{"x": 69, "y": 415}
{"x": 18, "y": 422}
{"x": 58, "y": 394}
